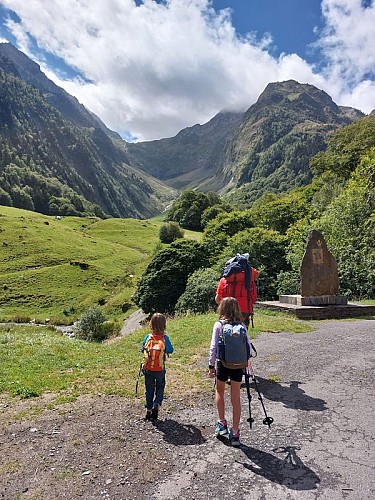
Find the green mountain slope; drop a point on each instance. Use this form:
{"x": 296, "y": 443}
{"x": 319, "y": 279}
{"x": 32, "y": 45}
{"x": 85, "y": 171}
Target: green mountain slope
{"x": 56, "y": 268}
{"x": 68, "y": 105}
{"x": 191, "y": 158}
{"x": 57, "y": 158}
{"x": 288, "y": 125}
{"x": 268, "y": 148}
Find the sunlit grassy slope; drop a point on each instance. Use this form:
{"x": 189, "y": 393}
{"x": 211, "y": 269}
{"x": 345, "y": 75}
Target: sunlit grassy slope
{"x": 52, "y": 268}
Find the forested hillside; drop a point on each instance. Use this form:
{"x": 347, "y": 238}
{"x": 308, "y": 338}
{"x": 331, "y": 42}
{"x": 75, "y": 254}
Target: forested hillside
{"x": 59, "y": 158}
{"x": 56, "y": 163}
{"x": 289, "y": 124}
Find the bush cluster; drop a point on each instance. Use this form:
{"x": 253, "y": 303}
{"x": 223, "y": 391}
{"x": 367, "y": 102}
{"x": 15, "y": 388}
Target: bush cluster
{"x": 170, "y": 232}
{"x": 93, "y": 326}
{"x": 340, "y": 202}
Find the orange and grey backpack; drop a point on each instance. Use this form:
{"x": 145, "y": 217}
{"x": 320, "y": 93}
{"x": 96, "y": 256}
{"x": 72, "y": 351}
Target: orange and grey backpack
{"x": 154, "y": 353}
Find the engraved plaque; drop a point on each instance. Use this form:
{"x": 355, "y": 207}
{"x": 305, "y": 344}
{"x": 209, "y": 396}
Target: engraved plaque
{"x": 317, "y": 255}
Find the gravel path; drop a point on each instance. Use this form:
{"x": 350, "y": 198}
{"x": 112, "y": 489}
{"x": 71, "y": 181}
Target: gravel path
{"x": 320, "y": 446}
{"x": 133, "y": 322}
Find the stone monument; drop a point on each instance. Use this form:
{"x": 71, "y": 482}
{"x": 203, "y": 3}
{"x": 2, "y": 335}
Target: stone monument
{"x": 319, "y": 278}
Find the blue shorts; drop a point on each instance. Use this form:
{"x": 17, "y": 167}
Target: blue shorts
{"x": 223, "y": 374}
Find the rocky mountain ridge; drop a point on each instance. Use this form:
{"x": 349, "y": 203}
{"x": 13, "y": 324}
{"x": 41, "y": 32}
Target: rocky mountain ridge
{"x": 266, "y": 148}
{"x": 59, "y": 158}
{"x": 52, "y": 143}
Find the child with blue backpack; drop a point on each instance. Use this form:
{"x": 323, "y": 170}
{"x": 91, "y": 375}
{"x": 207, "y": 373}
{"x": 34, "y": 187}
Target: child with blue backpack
{"x": 155, "y": 346}
{"x": 230, "y": 351}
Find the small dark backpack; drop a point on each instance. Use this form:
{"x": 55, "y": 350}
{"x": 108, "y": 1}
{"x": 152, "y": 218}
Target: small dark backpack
{"x": 233, "y": 348}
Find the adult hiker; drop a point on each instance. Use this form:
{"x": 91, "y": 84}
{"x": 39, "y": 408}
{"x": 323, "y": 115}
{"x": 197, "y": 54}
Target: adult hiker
{"x": 155, "y": 346}
{"x": 239, "y": 281}
{"x": 230, "y": 351}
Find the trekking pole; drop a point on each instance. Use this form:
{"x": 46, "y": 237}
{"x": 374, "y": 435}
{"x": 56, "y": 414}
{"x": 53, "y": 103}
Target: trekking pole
{"x": 247, "y": 383}
{"x": 140, "y": 373}
{"x": 267, "y": 420}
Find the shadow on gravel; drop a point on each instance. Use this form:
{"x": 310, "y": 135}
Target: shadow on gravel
{"x": 289, "y": 471}
{"x": 291, "y": 397}
{"x": 179, "y": 434}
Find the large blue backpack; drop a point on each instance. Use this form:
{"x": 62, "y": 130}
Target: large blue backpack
{"x": 233, "y": 347}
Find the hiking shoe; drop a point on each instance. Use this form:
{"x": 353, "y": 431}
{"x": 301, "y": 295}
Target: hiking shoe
{"x": 221, "y": 429}
{"x": 148, "y": 415}
{"x": 234, "y": 439}
{"x": 155, "y": 412}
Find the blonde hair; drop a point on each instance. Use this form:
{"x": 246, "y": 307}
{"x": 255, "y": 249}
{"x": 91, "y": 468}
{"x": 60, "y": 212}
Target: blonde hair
{"x": 229, "y": 310}
{"x": 158, "y": 323}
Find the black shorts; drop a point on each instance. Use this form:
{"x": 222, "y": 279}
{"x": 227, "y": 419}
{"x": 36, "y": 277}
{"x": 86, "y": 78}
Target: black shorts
{"x": 223, "y": 374}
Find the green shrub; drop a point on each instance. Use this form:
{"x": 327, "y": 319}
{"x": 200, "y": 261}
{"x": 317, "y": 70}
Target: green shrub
{"x": 199, "y": 295}
{"x": 348, "y": 225}
{"x": 188, "y": 209}
{"x": 170, "y": 232}
{"x": 25, "y": 392}
{"x": 288, "y": 282}
{"x": 165, "y": 278}
{"x": 92, "y": 326}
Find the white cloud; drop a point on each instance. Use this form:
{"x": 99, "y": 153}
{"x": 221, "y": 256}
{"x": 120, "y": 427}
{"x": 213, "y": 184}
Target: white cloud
{"x": 347, "y": 44}
{"x": 349, "y": 38}
{"x": 156, "y": 68}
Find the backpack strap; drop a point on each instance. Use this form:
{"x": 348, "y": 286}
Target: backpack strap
{"x": 234, "y": 285}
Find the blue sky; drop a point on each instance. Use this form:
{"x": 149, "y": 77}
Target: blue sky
{"x": 293, "y": 24}
{"x": 150, "y": 68}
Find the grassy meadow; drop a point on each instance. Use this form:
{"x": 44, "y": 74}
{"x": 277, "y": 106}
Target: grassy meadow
{"x": 56, "y": 268}
{"x": 37, "y": 360}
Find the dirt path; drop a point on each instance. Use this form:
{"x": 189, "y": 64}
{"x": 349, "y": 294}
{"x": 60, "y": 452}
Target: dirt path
{"x": 133, "y": 322}
{"x": 319, "y": 447}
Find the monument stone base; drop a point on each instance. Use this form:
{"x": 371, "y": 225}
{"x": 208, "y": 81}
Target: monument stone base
{"x": 332, "y": 311}
{"x": 321, "y": 300}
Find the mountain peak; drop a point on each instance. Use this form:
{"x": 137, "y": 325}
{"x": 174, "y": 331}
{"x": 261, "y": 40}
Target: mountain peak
{"x": 292, "y": 92}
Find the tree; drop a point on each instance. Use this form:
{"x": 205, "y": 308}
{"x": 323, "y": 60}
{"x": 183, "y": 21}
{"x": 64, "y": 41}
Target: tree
{"x": 345, "y": 148}
{"x": 5, "y": 199}
{"x": 211, "y": 213}
{"x": 165, "y": 278}
{"x": 93, "y": 327}
{"x": 225, "y": 225}
{"x": 348, "y": 225}
{"x": 187, "y": 210}
{"x": 170, "y": 232}
{"x": 279, "y": 212}
{"x": 199, "y": 295}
